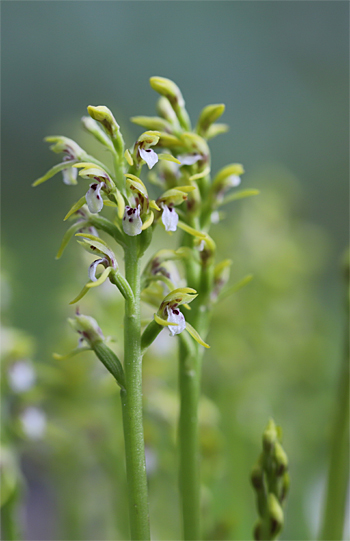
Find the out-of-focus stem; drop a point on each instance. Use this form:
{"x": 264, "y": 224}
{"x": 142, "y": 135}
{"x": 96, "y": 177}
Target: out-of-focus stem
{"x": 338, "y": 473}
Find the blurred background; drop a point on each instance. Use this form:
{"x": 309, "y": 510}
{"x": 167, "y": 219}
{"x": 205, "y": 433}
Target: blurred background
{"x": 281, "y": 68}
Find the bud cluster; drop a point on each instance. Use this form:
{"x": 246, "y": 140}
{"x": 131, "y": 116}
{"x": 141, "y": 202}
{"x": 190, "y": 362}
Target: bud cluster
{"x": 270, "y": 480}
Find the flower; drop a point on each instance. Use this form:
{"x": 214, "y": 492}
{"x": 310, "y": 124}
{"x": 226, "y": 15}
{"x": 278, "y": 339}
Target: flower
{"x": 174, "y": 315}
{"x": 33, "y": 421}
{"x": 169, "y": 314}
{"x": 93, "y": 197}
{"x": 132, "y": 223}
{"x": 70, "y": 176}
{"x": 21, "y": 376}
{"x": 147, "y": 139}
{"x": 169, "y": 217}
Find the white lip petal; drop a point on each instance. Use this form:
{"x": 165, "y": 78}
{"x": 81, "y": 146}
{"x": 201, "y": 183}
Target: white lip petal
{"x": 94, "y": 198}
{"x": 149, "y": 156}
{"x": 70, "y": 176}
{"x": 176, "y": 316}
{"x": 189, "y": 159}
{"x": 170, "y": 218}
{"x": 132, "y": 223}
{"x": 234, "y": 180}
{"x": 93, "y": 267}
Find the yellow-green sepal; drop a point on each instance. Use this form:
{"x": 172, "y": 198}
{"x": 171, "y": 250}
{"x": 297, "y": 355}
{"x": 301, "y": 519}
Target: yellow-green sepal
{"x": 53, "y": 171}
{"x": 192, "y": 331}
{"x": 163, "y": 322}
{"x": 69, "y": 234}
{"x": 75, "y": 207}
{"x": 76, "y": 351}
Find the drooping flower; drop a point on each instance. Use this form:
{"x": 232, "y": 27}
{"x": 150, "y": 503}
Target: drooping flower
{"x": 132, "y": 223}
{"x": 169, "y": 314}
{"x": 226, "y": 178}
{"x": 143, "y": 150}
{"x": 93, "y": 197}
{"x": 169, "y": 217}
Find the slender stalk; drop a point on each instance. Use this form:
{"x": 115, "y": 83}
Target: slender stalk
{"x": 338, "y": 474}
{"x": 189, "y": 384}
{"x": 190, "y": 367}
{"x": 9, "y": 519}
{"x": 131, "y": 398}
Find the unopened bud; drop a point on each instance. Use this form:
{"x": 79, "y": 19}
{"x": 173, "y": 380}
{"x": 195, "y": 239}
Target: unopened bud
{"x": 87, "y": 327}
{"x": 168, "y": 89}
{"x": 269, "y": 436}
{"x": 257, "y": 477}
{"x": 281, "y": 459}
{"x": 103, "y": 115}
{"x": 275, "y": 514}
{"x": 208, "y": 116}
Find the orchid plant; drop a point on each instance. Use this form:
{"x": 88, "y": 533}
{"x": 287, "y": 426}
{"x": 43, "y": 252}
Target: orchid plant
{"x": 177, "y": 159}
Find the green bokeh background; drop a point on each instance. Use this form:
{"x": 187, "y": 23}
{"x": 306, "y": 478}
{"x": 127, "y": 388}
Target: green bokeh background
{"x": 281, "y": 68}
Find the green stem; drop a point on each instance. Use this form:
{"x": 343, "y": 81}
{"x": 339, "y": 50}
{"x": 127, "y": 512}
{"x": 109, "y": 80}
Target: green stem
{"x": 131, "y": 398}
{"x": 189, "y": 383}
{"x": 338, "y": 474}
{"x": 10, "y": 520}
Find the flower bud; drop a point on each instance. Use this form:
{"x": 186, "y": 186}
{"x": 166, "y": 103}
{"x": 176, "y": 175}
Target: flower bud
{"x": 168, "y": 89}
{"x": 103, "y": 115}
{"x": 216, "y": 129}
{"x": 281, "y": 459}
{"x": 87, "y": 327}
{"x": 227, "y": 178}
{"x": 152, "y": 123}
{"x": 270, "y": 436}
{"x": 275, "y": 514}
{"x": 208, "y": 116}
{"x": 166, "y": 111}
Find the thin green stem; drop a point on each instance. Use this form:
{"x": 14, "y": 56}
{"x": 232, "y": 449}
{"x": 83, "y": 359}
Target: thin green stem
{"x": 189, "y": 383}
{"x": 338, "y": 474}
{"x": 131, "y": 398}
{"x": 10, "y": 520}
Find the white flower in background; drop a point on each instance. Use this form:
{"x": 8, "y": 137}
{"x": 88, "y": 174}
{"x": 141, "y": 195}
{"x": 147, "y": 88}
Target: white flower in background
{"x": 70, "y": 176}
{"x": 132, "y": 223}
{"x": 33, "y": 421}
{"x": 189, "y": 159}
{"x": 170, "y": 217}
{"x": 21, "y": 376}
{"x": 233, "y": 181}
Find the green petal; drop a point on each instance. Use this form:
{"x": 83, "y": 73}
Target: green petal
{"x": 92, "y": 237}
{"x": 80, "y": 296}
{"x": 195, "y": 335}
{"x": 75, "y": 207}
{"x": 168, "y": 158}
{"x": 72, "y": 353}
{"x": 69, "y": 234}
{"x": 239, "y": 195}
{"x": 232, "y": 289}
{"x": 163, "y": 322}
{"x": 54, "y": 170}
{"x": 101, "y": 279}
